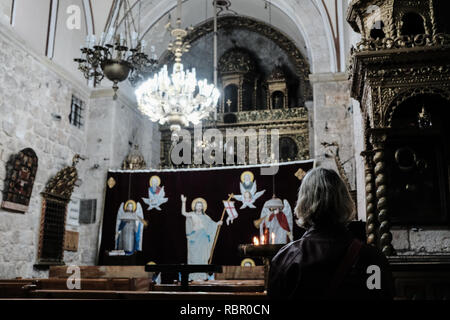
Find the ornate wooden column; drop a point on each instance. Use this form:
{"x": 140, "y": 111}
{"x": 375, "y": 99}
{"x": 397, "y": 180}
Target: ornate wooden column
{"x": 371, "y": 212}
{"x": 378, "y": 141}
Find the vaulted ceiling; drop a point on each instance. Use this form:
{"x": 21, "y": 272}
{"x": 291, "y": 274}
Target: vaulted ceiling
{"x": 315, "y": 26}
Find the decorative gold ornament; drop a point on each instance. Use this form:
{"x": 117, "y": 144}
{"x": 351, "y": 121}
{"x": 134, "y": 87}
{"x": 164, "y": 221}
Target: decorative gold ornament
{"x": 111, "y": 182}
{"x": 247, "y": 262}
{"x": 134, "y": 160}
{"x": 300, "y": 174}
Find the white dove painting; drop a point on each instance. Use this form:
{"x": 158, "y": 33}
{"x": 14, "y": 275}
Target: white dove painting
{"x": 248, "y": 194}
{"x": 156, "y": 194}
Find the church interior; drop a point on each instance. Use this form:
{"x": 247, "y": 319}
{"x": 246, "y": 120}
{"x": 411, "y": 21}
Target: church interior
{"x": 154, "y": 149}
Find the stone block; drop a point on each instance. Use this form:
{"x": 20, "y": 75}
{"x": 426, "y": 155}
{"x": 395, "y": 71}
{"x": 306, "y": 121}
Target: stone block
{"x": 400, "y": 239}
{"x": 26, "y": 237}
{"x": 8, "y": 128}
{"x": 430, "y": 241}
{"x": 41, "y": 131}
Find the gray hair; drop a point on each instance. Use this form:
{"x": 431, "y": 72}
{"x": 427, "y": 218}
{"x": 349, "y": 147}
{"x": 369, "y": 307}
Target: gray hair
{"x": 323, "y": 200}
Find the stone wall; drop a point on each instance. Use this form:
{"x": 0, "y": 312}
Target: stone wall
{"x": 421, "y": 241}
{"x": 33, "y": 90}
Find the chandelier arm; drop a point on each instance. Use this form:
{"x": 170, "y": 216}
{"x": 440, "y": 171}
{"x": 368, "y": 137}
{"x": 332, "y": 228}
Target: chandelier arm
{"x": 118, "y": 56}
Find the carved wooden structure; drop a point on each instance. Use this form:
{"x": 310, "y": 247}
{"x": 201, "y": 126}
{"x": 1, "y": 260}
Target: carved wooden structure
{"x": 277, "y": 95}
{"x": 55, "y": 199}
{"x": 20, "y": 174}
{"x": 238, "y": 81}
{"x": 248, "y": 96}
{"x": 401, "y": 63}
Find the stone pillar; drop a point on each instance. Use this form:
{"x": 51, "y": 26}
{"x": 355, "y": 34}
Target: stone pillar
{"x": 333, "y": 121}
{"x": 385, "y": 236}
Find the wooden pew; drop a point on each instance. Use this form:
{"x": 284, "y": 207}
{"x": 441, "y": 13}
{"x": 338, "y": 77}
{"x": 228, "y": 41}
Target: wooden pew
{"x": 217, "y": 286}
{"x": 232, "y": 279}
{"x": 150, "y": 295}
{"x": 100, "y": 272}
{"x": 120, "y": 278}
{"x": 241, "y": 273}
{"x": 16, "y": 288}
{"x": 132, "y": 282}
{"x": 115, "y": 284}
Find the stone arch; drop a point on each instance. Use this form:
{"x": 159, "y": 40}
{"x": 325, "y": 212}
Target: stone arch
{"x": 305, "y": 15}
{"x": 302, "y": 66}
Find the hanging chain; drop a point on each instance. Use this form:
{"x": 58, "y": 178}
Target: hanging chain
{"x": 270, "y": 12}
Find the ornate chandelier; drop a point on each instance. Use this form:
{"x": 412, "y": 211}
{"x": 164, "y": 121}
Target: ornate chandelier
{"x": 178, "y": 99}
{"x": 117, "y": 56}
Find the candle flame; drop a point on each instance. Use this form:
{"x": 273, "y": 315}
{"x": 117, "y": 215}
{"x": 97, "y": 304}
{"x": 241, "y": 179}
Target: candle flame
{"x": 273, "y": 238}
{"x": 256, "y": 241}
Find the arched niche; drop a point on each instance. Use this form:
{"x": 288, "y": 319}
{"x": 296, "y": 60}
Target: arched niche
{"x": 278, "y": 100}
{"x": 418, "y": 161}
{"x": 288, "y": 149}
{"x": 55, "y": 199}
{"x": 412, "y": 24}
{"x": 21, "y": 171}
{"x": 376, "y": 31}
{"x": 230, "y": 99}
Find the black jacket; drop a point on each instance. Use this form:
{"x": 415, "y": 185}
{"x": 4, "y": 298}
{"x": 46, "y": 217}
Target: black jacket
{"x": 304, "y": 269}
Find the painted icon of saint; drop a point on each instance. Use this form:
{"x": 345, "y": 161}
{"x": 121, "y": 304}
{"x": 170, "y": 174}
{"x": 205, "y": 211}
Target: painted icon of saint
{"x": 279, "y": 222}
{"x": 156, "y": 194}
{"x": 129, "y": 227}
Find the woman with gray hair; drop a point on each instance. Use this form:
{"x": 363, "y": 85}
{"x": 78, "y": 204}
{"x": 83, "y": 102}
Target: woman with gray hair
{"x": 328, "y": 262}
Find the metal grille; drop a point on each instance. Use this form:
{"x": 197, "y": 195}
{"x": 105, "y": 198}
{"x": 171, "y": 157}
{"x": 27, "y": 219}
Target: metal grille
{"x": 88, "y": 208}
{"x": 54, "y": 228}
{"x": 76, "y": 112}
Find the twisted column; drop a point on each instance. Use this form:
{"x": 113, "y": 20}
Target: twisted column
{"x": 385, "y": 236}
{"x": 371, "y": 214}
{"x": 433, "y": 19}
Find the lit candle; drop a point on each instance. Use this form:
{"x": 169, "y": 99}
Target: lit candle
{"x": 262, "y": 239}
{"x": 273, "y": 238}
{"x": 256, "y": 241}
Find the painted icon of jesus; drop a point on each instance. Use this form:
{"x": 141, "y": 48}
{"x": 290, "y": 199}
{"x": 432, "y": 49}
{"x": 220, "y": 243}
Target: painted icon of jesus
{"x": 200, "y": 234}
